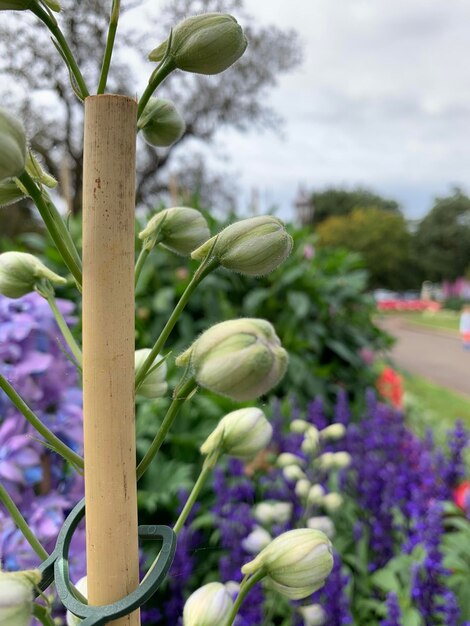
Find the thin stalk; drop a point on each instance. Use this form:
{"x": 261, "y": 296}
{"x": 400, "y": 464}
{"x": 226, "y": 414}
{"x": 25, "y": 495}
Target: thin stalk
{"x": 140, "y": 263}
{"x": 57, "y": 445}
{"x": 193, "y": 496}
{"x": 42, "y": 614}
{"x": 56, "y": 227}
{"x": 181, "y": 395}
{"x": 203, "y": 270}
{"x": 113, "y": 23}
{"x": 246, "y": 586}
{"x": 64, "y": 329}
{"x": 52, "y": 25}
{"x": 159, "y": 75}
{"x": 22, "y": 524}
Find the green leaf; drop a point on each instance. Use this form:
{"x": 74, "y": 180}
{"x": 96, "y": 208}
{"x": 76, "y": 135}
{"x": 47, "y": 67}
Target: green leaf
{"x": 411, "y": 617}
{"x": 299, "y": 303}
{"x": 386, "y": 580}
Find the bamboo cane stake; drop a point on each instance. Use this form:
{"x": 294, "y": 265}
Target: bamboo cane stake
{"x": 108, "y": 350}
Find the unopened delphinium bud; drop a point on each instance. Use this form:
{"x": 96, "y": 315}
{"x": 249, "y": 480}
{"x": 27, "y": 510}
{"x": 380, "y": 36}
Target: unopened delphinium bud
{"x": 71, "y": 619}
{"x": 296, "y": 563}
{"x": 204, "y": 44}
{"x": 20, "y": 272}
{"x": 302, "y": 488}
{"x": 313, "y": 615}
{"x": 15, "y": 5}
{"x": 16, "y": 596}
{"x": 241, "y": 359}
{"x": 258, "y": 539}
{"x": 272, "y": 512}
{"x": 242, "y": 434}
{"x": 287, "y": 458}
{"x": 334, "y": 460}
{"x": 253, "y": 247}
{"x": 209, "y": 605}
{"x": 12, "y": 146}
{"x": 161, "y": 124}
{"x": 316, "y": 494}
{"x": 332, "y": 502}
{"x": 293, "y": 473}
{"x": 179, "y": 229}
{"x": 323, "y": 523}
{"x": 333, "y": 432}
{"x": 299, "y": 426}
{"x": 154, "y": 384}
{"x": 311, "y": 441}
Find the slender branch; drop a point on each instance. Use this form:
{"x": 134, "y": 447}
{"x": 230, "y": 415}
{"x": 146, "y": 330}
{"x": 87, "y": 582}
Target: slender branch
{"x": 64, "y": 329}
{"x": 193, "y": 496}
{"x": 42, "y": 615}
{"x": 56, "y": 227}
{"x": 181, "y": 395}
{"x": 140, "y": 263}
{"x": 58, "y": 446}
{"x": 203, "y": 270}
{"x": 52, "y": 25}
{"x": 159, "y": 75}
{"x": 246, "y": 586}
{"x": 22, "y": 524}
{"x": 113, "y": 23}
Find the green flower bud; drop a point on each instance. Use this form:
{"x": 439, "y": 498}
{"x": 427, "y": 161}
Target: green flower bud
{"x": 15, "y": 5}
{"x": 204, "y": 44}
{"x": 299, "y": 426}
{"x": 242, "y": 434}
{"x": 296, "y": 563}
{"x": 161, "y": 123}
{"x": 179, "y": 229}
{"x": 286, "y": 458}
{"x": 253, "y": 247}
{"x": 241, "y": 359}
{"x": 38, "y": 173}
{"x": 154, "y": 385}
{"x": 334, "y": 460}
{"x": 311, "y": 440}
{"x": 302, "y": 488}
{"x": 293, "y": 473}
{"x": 53, "y": 5}
{"x": 209, "y": 605}
{"x": 12, "y": 146}
{"x": 21, "y": 272}
{"x": 16, "y": 596}
{"x": 333, "y": 432}
{"x": 10, "y": 192}
{"x": 332, "y": 502}
{"x": 315, "y": 494}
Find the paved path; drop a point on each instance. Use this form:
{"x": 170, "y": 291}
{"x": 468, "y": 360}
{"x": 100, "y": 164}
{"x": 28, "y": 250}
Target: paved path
{"x": 437, "y": 356}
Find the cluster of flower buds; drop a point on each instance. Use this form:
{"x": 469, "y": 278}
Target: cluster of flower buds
{"x": 203, "y": 44}
{"x": 154, "y": 384}
{"x": 241, "y": 359}
{"x": 242, "y": 434}
{"x": 21, "y": 273}
{"x": 161, "y": 124}
{"x": 16, "y": 596}
{"x": 179, "y": 229}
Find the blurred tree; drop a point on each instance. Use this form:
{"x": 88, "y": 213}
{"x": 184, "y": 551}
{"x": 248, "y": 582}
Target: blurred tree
{"x": 35, "y": 83}
{"x": 442, "y": 239}
{"x": 381, "y": 237}
{"x": 336, "y": 201}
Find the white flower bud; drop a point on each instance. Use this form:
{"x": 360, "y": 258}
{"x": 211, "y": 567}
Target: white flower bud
{"x": 161, "y": 123}
{"x": 204, "y": 44}
{"x": 332, "y": 502}
{"x": 209, "y": 605}
{"x": 299, "y": 426}
{"x": 253, "y": 247}
{"x": 323, "y": 523}
{"x": 179, "y": 229}
{"x": 334, "y": 460}
{"x": 20, "y": 272}
{"x": 296, "y": 563}
{"x": 315, "y": 495}
{"x": 273, "y": 512}
{"x": 70, "y": 618}
{"x": 258, "y": 539}
{"x": 12, "y": 142}
{"x": 241, "y": 359}
{"x": 333, "y": 432}
{"x": 293, "y": 473}
{"x": 302, "y": 488}
{"x": 16, "y": 596}
{"x": 286, "y": 458}
{"x": 154, "y": 384}
{"x": 311, "y": 440}
{"x": 313, "y": 615}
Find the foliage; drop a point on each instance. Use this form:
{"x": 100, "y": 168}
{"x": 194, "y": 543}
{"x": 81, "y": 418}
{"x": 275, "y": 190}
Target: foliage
{"x": 442, "y": 239}
{"x": 380, "y": 236}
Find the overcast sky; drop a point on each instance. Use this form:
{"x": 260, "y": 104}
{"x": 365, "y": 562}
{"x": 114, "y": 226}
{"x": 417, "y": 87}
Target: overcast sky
{"x": 382, "y": 100}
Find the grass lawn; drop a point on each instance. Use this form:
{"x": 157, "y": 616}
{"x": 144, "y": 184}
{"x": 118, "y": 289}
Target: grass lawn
{"x": 442, "y": 320}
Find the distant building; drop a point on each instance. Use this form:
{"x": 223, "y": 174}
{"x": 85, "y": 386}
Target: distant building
{"x": 304, "y": 208}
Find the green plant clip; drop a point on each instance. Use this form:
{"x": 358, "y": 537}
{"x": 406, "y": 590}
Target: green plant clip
{"x": 56, "y": 569}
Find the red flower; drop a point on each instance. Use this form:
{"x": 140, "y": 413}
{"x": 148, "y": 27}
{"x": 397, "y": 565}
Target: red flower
{"x": 462, "y": 495}
{"x": 390, "y": 387}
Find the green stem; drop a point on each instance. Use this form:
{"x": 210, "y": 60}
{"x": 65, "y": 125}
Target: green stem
{"x": 43, "y": 615}
{"x": 56, "y": 227}
{"x": 203, "y": 270}
{"x": 140, "y": 263}
{"x": 64, "y": 329}
{"x": 159, "y": 75}
{"x": 246, "y": 586}
{"x": 193, "y": 496}
{"x": 21, "y": 524}
{"x": 181, "y": 395}
{"x": 113, "y": 23}
{"x": 57, "y": 445}
{"x": 52, "y": 25}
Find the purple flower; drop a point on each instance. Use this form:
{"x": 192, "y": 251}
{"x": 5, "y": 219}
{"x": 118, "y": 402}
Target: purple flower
{"x": 393, "y": 611}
